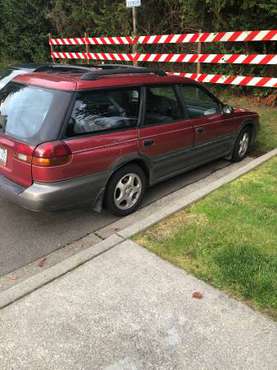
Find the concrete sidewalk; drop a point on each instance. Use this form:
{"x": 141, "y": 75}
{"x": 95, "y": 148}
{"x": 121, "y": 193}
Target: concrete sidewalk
{"x": 128, "y": 309}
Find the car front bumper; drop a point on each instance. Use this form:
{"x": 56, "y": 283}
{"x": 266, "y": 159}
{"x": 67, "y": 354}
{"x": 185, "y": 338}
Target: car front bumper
{"x": 54, "y": 196}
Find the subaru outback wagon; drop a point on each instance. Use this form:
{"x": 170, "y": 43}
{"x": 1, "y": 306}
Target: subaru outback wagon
{"x": 101, "y": 135}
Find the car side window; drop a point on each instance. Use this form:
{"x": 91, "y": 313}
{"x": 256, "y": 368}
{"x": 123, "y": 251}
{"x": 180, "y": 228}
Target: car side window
{"x": 162, "y": 105}
{"x": 198, "y": 102}
{"x": 102, "y": 111}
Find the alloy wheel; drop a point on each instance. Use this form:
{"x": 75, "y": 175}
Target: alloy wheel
{"x": 127, "y": 191}
{"x": 243, "y": 144}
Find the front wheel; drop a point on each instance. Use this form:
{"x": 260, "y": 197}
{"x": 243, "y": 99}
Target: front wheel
{"x": 242, "y": 145}
{"x": 125, "y": 190}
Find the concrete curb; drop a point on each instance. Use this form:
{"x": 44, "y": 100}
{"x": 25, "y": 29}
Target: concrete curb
{"x": 180, "y": 201}
{"x": 36, "y": 281}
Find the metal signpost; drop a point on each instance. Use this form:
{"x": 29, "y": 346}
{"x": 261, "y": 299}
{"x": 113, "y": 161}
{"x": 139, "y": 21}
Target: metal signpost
{"x": 134, "y": 4}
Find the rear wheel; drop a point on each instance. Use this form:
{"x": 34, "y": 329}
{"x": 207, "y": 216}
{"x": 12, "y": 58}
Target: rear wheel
{"x": 242, "y": 145}
{"x": 125, "y": 190}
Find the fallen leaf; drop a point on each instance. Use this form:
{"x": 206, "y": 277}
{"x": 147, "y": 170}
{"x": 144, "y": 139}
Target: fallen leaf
{"x": 197, "y": 295}
{"x": 42, "y": 262}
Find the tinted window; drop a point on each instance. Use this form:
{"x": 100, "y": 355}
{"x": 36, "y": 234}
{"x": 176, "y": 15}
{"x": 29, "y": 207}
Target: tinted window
{"x": 24, "y": 110}
{"x": 198, "y": 102}
{"x": 100, "y": 111}
{"x": 162, "y": 105}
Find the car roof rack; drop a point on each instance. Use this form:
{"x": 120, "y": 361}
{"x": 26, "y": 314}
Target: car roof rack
{"x": 116, "y": 69}
{"x": 63, "y": 68}
{"x": 95, "y": 71}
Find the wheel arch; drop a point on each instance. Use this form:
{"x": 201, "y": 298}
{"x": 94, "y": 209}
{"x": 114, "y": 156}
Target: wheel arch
{"x": 252, "y": 125}
{"x": 120, "y": 163}
{"x": 139, "y": 161}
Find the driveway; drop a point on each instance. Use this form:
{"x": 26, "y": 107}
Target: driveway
{"x": 27, "y": 236}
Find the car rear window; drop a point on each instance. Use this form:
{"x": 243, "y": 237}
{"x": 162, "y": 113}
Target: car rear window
{"x": 32, "y": 114}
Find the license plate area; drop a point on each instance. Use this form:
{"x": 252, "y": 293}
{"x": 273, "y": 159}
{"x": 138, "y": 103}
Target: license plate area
{"x": 3, "y": 156}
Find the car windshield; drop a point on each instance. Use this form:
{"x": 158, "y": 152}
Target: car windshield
{"x": 24, "y": 110}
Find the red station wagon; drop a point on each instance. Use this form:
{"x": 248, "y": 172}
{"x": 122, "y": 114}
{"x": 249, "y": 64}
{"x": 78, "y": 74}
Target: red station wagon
{"x": 101, "y": 135}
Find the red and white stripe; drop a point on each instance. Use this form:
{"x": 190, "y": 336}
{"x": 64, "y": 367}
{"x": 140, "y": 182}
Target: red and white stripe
{"x": 67, "y": 41}
{"x": 68, "y": 55}
{"x": 108, "y": 40}
{"x": 173, "y": 58}
{"x": 229, "y": 80}
{"x": 208, "y": 58}
{"x": 115, "y": 40}
{"x": 236, "y": 36}
{"x": 202, "y": 77}
{"x": 123, "y": 57}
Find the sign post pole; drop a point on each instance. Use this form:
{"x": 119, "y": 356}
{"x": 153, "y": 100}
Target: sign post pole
{"x": 134, "y": 13}
{"x": 133, "y": 4}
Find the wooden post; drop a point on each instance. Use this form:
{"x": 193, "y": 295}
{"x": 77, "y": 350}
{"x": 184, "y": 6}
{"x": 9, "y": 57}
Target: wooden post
{"x": 87, "y": 48}
{"x": 134, "y": 46}
{"x": 51, "y": 46}
{"x": 199, "y": 50}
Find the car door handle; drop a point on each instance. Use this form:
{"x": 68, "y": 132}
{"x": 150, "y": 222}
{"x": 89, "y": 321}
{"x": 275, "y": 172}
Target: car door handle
{"x": 148, "y": 142}
{"x": 199, "y": 130}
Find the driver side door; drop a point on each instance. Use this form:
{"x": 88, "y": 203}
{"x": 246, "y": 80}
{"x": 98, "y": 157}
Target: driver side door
{"x": 214, "y": 132}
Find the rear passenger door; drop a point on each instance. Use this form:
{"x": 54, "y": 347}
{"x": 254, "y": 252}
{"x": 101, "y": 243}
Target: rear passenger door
{"x": 165, "y": 136}
{"x": 102, "y": 129}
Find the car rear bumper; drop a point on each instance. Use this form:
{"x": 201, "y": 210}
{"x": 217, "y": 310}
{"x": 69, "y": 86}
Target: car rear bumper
{"x": 54, "y": 196}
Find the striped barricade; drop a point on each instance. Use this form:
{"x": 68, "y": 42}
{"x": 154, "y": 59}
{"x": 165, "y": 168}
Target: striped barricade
{"x": 204, "y": 37}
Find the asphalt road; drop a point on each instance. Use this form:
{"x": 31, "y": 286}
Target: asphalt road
{"x": 27, "y": 236}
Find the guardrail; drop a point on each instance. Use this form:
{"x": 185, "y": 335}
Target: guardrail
{"x": 205, "y": 37}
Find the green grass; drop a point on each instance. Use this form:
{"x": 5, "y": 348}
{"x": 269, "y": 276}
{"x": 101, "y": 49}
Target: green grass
{"x": 267, "y": 137}
{"x": 228, "y": 239}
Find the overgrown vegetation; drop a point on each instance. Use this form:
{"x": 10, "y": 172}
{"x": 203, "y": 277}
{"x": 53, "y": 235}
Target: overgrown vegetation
{"x": 228, "y": 239}
{"x": 24, "y": 25}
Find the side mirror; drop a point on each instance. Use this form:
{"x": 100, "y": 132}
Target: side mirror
{"x": 227, "y": 109}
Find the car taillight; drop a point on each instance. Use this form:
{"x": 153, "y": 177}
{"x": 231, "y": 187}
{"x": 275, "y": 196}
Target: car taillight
{"x": 53, "y": 153}
{"x": 23, "y": 152}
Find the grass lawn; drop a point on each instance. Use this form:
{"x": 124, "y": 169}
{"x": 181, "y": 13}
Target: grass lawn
{"x": 228, "y": 239}
{"x": 267, "y": 137}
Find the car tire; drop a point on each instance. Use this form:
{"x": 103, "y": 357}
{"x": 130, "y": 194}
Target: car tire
{"x": 242, "y": 145}
{"x": 125, "y": 190}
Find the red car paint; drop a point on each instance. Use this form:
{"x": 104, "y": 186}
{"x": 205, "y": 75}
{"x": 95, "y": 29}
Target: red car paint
{"x": 91, "y": 154}
{"x": 72, "y": 81}
{"x": 18, "y": 171}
